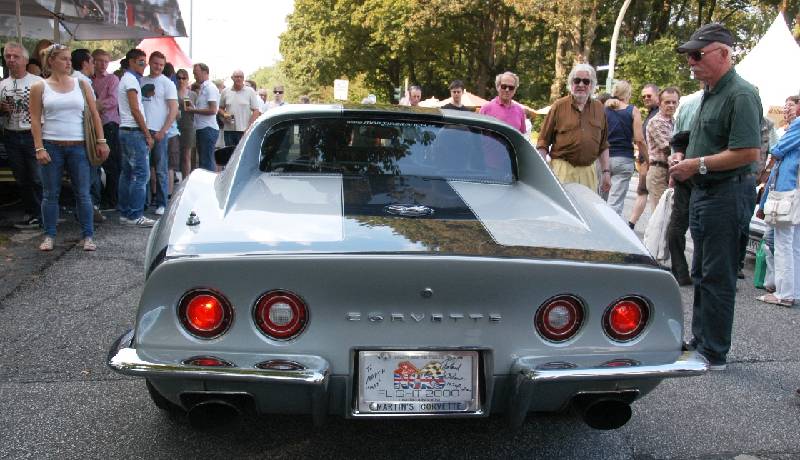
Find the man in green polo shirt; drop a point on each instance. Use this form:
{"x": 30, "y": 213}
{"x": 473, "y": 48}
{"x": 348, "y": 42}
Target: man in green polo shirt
{"x": 725, "y": 139}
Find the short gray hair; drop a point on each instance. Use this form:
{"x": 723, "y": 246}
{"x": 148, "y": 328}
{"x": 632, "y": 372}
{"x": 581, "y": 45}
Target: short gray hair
{"x": 17, "y": 46}
{"x": 582, "y": 68}
{"x": 506, "y": 74}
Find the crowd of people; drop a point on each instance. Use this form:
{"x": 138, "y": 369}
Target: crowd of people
{"x": 707, "y": 150}
{"x": 152, "y": 129}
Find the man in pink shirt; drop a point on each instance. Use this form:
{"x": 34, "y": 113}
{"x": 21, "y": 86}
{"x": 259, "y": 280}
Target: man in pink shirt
{"x": 105, "y": 88}
{"x": 503, "y": 106}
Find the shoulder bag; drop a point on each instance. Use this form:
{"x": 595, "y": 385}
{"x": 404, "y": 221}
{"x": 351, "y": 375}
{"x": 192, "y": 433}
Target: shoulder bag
{"x": 781, "y": 207}
{"x": 89, "y": 133}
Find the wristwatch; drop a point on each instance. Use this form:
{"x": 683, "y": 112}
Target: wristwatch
{"x": 703, "y": 169}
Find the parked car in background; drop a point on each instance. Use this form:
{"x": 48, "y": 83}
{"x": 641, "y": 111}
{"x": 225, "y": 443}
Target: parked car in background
{"x": 370, "y": 262}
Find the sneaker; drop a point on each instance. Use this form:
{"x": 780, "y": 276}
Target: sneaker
{"x": 47, "y": 244}
{"x": 88, "y": 245}
{"x": 160, "y": 211}
{"x": 143, "y": 222}
{"x": 717, "y": 367}
{"x": 27, "y": 223}
{"x": 740, "y": 274}
{"x": 98, "y": 216}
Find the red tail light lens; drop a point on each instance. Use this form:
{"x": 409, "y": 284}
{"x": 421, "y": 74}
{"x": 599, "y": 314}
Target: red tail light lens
{"x": 205, "y": 313}
{"x": 281, "y": 315}
{"x": 626, "y": 318}
{"x": 559, "y": 318}
{"x": 207, "y": 361}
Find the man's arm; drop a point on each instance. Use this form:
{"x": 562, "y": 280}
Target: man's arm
{"x": 172, "y": 106}
{"x": 133, "y": 102}
{"x": 722, "y": 161}
{"x": 211, "y": 110}
{"x": 546, "y": 133}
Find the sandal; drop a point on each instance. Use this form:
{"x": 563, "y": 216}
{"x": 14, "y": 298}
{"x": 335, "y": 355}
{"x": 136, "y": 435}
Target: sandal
{"x": 47, "y": 244}
{"x": 770, "y": 289}
{"x": 88, "y": 245}
{"x": 771, "y": 299}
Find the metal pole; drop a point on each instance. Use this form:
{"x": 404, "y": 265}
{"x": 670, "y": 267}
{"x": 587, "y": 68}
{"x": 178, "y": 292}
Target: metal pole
{"x": 19, "y": 22}
{"x": 613, "y": 54}
{"x": 191, "y": 27}
{"x": 57, "y": 22}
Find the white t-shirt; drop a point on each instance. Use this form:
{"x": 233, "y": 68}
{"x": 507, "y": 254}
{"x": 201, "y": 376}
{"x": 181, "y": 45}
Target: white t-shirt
{"x": 241, "y": 105}
{"x": 156, "y": 92}
{"x": 81, "y": 76}
{"x": 18, "y": 91}
{"x": 128, "y": 82}
{"x": 208, "y": 93}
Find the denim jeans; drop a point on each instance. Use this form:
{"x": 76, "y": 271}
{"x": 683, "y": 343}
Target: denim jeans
{"x": 715, "y": 216}
{"x": 160, "y": 161}
{"x": 112, "y": 164}
{"x": 27, "y": 173}
{"x": 621, "y": 172}
{"x": 74, "y": 159}
{"x": 206, "y": 140}
{"x": 134, "y": 174}
{"x": 232, "y": 137}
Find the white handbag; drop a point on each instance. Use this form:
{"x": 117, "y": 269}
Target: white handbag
{"x": 781, "y": 207}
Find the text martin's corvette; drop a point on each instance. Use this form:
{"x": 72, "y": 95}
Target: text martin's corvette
{"x": 391, "y": 262}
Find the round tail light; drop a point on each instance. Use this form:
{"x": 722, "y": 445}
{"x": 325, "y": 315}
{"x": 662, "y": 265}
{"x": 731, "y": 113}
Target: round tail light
{"x": 626, "y": 318}
{"x": 205, "y": 313}
{"x": 281, "y": 314}
{"x": 559, "y": 318}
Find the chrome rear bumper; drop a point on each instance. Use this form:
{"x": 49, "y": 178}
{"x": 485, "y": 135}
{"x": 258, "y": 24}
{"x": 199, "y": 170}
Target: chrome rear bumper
{"x": 527, "y": 379}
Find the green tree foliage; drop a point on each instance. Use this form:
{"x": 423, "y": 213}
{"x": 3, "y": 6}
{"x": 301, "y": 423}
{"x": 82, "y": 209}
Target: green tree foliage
{"x": 655, "y": 63}
{"x": 431, "y": 42}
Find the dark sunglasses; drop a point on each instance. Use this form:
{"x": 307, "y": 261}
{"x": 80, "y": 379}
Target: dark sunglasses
{"x": 182, "y": 78}
{"x": 278, "y": 92}
{"x": 578, "y": 81}
{"x": 141, "y": 62}
{"x": 698, "y": 55}
{"x": 507, "y": 87}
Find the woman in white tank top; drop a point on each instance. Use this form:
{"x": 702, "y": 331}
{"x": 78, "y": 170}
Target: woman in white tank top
{"x": 56, "y": 106}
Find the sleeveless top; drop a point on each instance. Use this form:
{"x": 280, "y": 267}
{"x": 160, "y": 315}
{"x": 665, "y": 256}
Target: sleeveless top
{"x": 62, "y": 113}
{"x": 620, "y": 131}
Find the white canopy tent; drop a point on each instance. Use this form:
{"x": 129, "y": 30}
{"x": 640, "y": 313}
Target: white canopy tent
{"x": 773, "y": 65}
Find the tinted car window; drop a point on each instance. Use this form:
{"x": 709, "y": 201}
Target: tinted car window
{"x": 384, "y": 147}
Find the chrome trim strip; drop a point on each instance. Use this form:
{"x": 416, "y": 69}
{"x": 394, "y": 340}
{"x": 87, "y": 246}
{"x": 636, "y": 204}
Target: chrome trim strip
{"x": 527, "y": 379}
{"x": 125, "y": 360}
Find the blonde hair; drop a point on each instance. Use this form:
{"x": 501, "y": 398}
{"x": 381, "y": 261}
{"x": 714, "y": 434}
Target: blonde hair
{"x": 621, "y": 90}
{"x": 46, "y": 54}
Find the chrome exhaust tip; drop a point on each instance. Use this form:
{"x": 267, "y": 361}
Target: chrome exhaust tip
{"x": 603, "y": 411}
{"x": 212, "y": 413}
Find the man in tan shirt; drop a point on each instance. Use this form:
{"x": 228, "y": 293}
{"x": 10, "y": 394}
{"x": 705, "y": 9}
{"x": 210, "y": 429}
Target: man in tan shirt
{"x": 575, "y": 133}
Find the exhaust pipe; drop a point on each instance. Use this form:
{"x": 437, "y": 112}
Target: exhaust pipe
{"x": 603, "y": 412}
{"x": 212, "y": 413}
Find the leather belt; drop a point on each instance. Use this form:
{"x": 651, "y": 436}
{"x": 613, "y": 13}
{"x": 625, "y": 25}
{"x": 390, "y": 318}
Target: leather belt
{"x": 663, "y": 164}
{"x": 128, "y": 128}
{"x": 65, "y": 143}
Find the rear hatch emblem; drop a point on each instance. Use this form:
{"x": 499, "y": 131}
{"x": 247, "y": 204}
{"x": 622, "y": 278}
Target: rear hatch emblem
{"x": 409, "y": 210}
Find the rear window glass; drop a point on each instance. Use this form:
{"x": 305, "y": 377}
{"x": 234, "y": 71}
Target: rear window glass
{"x": 384, "y": 147}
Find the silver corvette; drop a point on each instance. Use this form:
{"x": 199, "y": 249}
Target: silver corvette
{"x": 366, "y": 261}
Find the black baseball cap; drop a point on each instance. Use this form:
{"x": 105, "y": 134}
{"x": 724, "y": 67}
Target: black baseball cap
{"x": 706, "y": 35}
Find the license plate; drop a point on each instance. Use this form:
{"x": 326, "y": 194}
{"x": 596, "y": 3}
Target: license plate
{"x": 417, "y": 382}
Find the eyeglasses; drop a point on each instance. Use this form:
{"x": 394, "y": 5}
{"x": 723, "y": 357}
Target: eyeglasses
{"x": 182, "y": 78}
{"x": 277, "y": 92}
{"x": 141, "y": 62}
{"x": 578, "y": 81}
{"x": 698, "y": 55}
{"x": 507, "y": 87}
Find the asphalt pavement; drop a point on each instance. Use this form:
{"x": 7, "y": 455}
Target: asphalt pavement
{"x": 60, "y": 312}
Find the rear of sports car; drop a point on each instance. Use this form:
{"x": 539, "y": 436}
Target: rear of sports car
{"x": 338, "y": 287}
